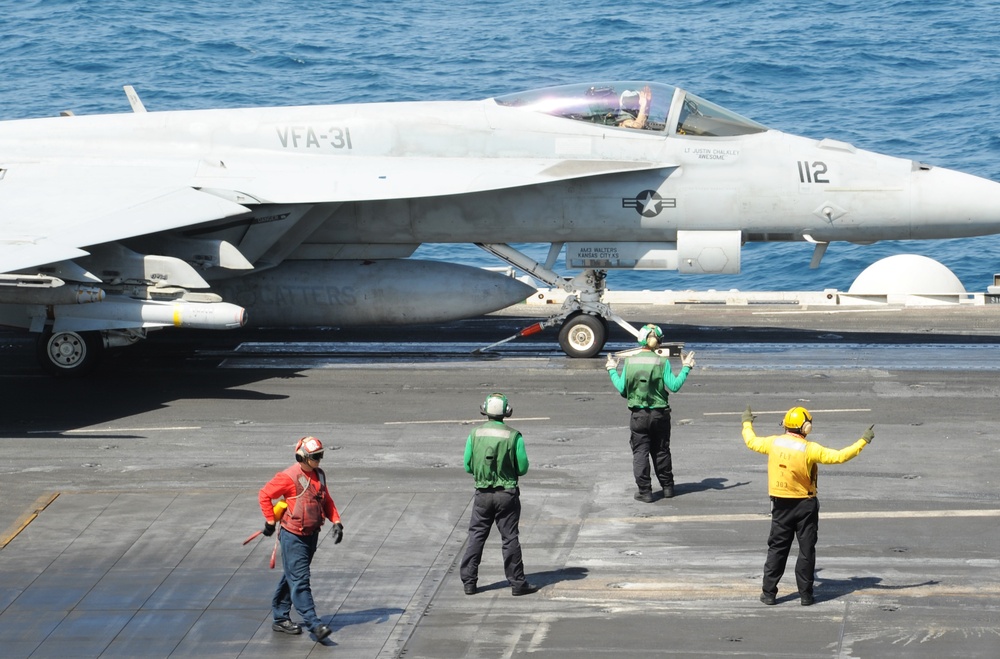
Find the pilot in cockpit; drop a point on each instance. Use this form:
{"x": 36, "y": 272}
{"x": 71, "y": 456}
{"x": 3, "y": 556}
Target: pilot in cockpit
{"x": 635, "y": 106}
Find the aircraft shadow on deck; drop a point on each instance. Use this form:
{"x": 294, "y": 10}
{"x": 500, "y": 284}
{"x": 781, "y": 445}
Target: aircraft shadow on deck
{"x": 126, "y": 384}
{"x": 171, "y": 365}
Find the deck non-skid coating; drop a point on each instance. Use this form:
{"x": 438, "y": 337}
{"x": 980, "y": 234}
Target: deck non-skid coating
{"x": 160, "y": 574}
{"x": 157, "y": 472}
{"x": 101, "y": 574}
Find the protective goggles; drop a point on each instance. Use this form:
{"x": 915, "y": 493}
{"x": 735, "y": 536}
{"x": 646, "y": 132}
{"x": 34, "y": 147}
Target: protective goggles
{"x": 317, "y": 456}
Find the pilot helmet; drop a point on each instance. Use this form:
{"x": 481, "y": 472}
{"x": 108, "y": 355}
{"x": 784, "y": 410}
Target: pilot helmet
{"x": 798, "y": 420}
{"x": 650, "y": 335}
{"x": 496, "y": 406}
{"x": 629, "y": 100}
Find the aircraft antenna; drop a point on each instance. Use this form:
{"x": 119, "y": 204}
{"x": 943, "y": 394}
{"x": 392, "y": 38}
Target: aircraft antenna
{"x": 133, "y": 99}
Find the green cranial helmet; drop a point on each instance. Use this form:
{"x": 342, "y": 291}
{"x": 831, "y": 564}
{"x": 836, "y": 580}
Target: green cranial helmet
{"x": 496, "y": 406}
{"x": 650, "y": 335}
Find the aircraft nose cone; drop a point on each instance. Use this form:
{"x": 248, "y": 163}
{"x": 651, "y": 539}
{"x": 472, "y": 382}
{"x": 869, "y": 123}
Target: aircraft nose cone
{"x": 951, "y": 204}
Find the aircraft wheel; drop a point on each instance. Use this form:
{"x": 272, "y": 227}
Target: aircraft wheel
{"x": 69, "y": 353}
{"x": 583, "y": 335}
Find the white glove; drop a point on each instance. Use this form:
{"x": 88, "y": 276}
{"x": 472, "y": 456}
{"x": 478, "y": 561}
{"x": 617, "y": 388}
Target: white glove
{"x": 688, "y": 359}
{"x": 612, "y": 363}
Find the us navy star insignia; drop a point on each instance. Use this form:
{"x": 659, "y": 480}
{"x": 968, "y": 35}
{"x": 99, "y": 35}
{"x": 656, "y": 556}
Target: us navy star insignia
{"x": 649, "y": 203}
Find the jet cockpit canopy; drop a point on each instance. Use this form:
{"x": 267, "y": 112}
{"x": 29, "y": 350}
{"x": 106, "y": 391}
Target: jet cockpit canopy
{"x": 635, "y": 105}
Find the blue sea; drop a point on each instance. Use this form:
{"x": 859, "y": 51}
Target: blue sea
{"x": 913, "y": 78}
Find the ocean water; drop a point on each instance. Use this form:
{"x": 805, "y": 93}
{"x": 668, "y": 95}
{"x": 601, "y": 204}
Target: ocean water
{"x": 913, "y": 78}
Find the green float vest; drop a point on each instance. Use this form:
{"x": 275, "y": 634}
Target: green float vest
{"x": 645, "y": 381}
{"x": 494, "y": 463}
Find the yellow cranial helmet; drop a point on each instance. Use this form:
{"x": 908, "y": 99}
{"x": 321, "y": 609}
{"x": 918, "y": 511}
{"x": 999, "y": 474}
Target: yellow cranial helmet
{"x": 798, "y": 420}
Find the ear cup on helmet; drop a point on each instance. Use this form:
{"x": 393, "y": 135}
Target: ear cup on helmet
{"x": 306, "y": 447}
{"x": 798, "y": 420}
{"x": 496, "y": 405}
{"x": 650, "y": 335}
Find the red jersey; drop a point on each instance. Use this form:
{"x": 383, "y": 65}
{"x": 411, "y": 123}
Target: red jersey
{"x": 307, "y": 496}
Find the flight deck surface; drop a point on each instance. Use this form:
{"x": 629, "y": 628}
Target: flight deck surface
{"x": 143, "y": 481}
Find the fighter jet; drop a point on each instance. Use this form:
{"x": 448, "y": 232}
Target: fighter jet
{"x": 115, "y": 225}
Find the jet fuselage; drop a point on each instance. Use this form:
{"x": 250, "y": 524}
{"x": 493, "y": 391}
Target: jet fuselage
{"x": 215, "y": 207}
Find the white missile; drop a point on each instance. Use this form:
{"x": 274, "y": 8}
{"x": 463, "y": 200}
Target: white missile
{"x": 121, "y": 312}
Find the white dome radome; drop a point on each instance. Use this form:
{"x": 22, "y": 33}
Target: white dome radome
{"x": 907, "y": 274}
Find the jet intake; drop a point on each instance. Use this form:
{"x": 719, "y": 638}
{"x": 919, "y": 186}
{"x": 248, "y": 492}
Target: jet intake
{"x": 202, "y": 253}
{"x": 694, "y": 252}
{"x": 115, "y": 264}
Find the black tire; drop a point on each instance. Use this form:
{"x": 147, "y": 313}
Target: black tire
{"x": 583, "y": 335}
{"x": 69, "y": 354}
{"x": 607, "y": 327}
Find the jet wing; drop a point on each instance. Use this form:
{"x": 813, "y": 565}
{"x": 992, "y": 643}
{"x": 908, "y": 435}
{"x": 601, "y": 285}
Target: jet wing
{"x": 378, "y": 178}
{"x": 51, "y": 214}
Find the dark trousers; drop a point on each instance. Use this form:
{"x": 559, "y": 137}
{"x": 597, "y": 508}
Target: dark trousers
{"x": 296, "y": 555}
{"x": 651, "y": 439}
{"x": 503, "y": 508}
{"x": 798, "y": 518}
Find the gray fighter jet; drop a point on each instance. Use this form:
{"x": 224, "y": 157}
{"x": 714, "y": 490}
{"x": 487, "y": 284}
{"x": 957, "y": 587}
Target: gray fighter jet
{"x": 114, "y": 225}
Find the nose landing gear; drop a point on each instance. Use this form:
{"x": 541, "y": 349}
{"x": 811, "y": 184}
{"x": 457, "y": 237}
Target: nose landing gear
{"x": 583, "y": 316}
{"x": 583, "y": 335}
